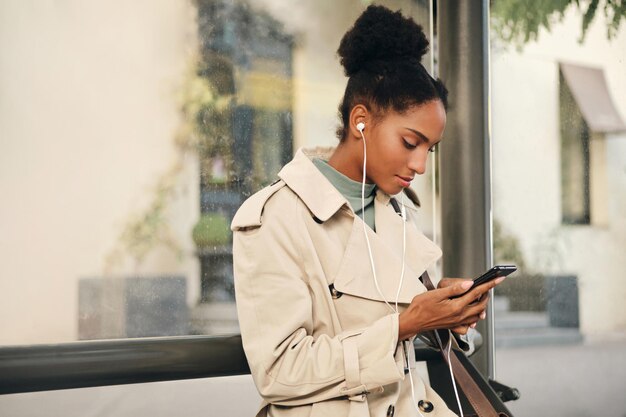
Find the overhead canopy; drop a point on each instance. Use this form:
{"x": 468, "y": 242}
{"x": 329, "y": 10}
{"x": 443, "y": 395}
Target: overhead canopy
{"x": 589, "y": 88}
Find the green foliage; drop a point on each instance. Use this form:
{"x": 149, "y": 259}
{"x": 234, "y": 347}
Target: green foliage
{"x": 149, "y": 229}
{"x": 207, "y": 123}
{"x": 519, "y": 21}
{"x": 206, "y": 118}
{"x": 212, "y": 229}
{"x": 205, "y": 131}
{"x": 506, "y": 247}
{"x": 524, "y": 289}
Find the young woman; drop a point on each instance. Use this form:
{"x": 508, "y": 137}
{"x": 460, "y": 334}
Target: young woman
{"x": 327, "y": 269}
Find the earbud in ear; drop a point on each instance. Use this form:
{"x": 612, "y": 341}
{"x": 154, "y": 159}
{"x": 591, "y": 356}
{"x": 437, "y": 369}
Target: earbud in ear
{"x": 360, "y": 126}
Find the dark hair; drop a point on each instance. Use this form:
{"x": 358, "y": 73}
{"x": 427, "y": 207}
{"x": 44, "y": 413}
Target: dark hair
{"x": 381, "y": 54}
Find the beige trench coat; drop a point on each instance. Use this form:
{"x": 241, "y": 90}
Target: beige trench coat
{"x": 312, "y": 354}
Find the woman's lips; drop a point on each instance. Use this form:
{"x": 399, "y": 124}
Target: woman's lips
{"x": 404, "y": 181}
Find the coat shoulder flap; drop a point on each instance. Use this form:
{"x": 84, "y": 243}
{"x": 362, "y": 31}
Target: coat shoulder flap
{"x": 250, "y": 214}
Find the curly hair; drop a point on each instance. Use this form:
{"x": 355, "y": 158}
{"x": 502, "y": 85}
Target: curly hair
{"x": 381, "y": 54}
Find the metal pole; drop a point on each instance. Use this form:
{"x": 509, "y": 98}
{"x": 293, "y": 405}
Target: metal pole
{"x": 128, "y": 361}
{"x": 114, "y": 362}
{"x": 463, "y": 40}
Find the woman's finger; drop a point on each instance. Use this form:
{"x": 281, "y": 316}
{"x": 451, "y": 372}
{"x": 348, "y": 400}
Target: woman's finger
{"x": 472, "y": 312}
{"x": 457, "y": 289}
{"x": 483, "y": 289}
{"x": 447, "y": 282}
{"x": 462, "y": 329}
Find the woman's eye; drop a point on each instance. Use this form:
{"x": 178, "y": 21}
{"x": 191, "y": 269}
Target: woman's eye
{"x": 408, "y": 144}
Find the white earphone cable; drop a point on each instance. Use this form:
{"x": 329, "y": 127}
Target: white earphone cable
{"x": 369, "y": 247}
{"x": 435, "y": 237}
{"x": 403, "y": 212}
{"x": 456, "y": 392}
{"x": 371, "y": 257}
{"x": 434, "y": 194}
{"x": 412, "y": 383}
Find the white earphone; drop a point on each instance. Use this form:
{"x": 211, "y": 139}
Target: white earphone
{"x": 360, "y": 127}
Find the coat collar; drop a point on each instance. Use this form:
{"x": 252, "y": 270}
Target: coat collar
{"x": 314, "y": 189}
{"x": 303, "y": 177}
{"x": 355, "y": 274}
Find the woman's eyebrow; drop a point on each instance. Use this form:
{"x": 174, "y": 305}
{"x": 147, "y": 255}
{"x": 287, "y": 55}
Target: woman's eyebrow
{"x": 420, "y": 134}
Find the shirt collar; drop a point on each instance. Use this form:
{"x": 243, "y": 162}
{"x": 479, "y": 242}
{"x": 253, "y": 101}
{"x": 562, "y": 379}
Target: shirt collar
{"x": 348, "y": 187}
{"x": 313, "y": 188}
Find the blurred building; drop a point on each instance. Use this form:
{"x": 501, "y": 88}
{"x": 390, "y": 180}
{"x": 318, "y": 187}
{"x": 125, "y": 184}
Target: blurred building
{"x": 559, "y": 160}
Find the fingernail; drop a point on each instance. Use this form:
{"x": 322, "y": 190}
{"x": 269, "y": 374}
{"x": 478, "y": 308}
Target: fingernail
{"x": 466, "y": 284}
{"x": 473, "y": 326}
{"x": 483, "y": 315}
{"x": 499, "y": 280}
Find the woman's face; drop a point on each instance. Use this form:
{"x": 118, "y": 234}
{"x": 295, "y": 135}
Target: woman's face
{"x": 398, "y": 145}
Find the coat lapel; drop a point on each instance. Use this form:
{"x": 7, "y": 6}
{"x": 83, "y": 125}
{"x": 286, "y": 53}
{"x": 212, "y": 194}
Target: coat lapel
{"x": 355, "y": 273}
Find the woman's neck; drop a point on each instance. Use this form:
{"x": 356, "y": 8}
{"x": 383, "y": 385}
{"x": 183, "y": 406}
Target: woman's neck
{"x": 348, "y": 159}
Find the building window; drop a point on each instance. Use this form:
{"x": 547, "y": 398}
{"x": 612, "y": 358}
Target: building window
{"x": 575, "y": 140}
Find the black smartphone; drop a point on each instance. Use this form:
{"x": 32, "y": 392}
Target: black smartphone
{"x": 495, "y": 272}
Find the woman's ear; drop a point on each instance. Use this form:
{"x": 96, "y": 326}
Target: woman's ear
{"x": 359, "y": 118}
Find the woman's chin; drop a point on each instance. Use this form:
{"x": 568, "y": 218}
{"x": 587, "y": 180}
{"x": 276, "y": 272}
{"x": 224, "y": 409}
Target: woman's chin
{"x": 391, "y": 189}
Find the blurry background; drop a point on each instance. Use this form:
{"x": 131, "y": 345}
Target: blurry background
{"x": 130, "y": 132}
{"x": 559, "y": 203}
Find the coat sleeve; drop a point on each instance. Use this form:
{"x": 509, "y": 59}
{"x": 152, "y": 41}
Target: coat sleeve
{"x": 289, "y": 366}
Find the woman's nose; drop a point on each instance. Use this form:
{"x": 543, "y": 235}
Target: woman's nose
{"x": 417, "y": 163}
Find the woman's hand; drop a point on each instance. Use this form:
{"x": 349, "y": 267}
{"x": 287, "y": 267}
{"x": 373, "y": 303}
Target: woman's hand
{"x": 436, "y": 310}
{"x": 448, "y": 282}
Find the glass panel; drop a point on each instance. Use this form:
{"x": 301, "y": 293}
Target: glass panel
{"x": 559, "y": 192}
{"x": 129, "y": 137}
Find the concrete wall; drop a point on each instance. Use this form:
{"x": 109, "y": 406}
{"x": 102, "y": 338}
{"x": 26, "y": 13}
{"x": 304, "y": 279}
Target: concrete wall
{"x": 526, "y": 151}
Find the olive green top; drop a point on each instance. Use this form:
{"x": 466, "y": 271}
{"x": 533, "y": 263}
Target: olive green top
{"x": 351, "y": 190}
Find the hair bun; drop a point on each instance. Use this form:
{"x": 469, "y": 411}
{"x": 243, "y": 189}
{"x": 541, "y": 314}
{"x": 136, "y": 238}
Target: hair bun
{"x": 381, "y": 35}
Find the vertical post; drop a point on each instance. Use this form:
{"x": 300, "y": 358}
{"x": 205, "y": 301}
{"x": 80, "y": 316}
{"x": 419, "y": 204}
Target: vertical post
{"x": 463, "y": 40}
